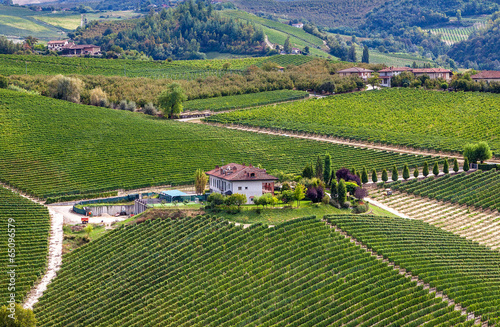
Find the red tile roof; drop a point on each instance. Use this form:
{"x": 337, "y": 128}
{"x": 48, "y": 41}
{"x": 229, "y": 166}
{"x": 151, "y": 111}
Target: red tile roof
{"x": 236, "y": 172}
{"x": 355, "y": 70}
{"x": 431, "y": 70}
{"x": 395, "y": 69}
{"x": 487, "y": 74}
{"x": 57, "y": 42}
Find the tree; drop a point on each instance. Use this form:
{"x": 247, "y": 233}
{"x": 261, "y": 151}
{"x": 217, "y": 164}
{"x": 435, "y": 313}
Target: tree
{"x": 459, "y": 15}
{"x": 435, "y": 169}
{"x": 65, "y": 88}
{"x": 466, "y": 164}
{"x": 334, "y": 188}
{"x": 308, "y": 171}
{"x": 299, "y": 193}
{"x": 374, "y": 176}
{"x": 366, "y": 55}
{"x": 327, "y": 169}
{"x": 385, "y": 177}
{"x": 4, "y": 82}
{"x": 360, "y": 193}
{"x": 425, "y": 170}
{"x": 238, "y": 199}
{"x": 98, "y": 97}
{"x": 16, "y": 316}
{"x": 319, "y": 168}
{"x": 415, "y": 173}
{"x": 215, "y": 199}
{"x": 352, "y": 53}
{"x": 170, "y": 100}
{"x": 374, "y": 81}
{"x": 446, "y": 167}
{"x": 287, "y": 47}
{"x": 306, "y": 50}
{"x": 287, "y": 196}
{"x": 342, "y": 192}
{"x": 406, "y": 172}
{"x": 477, "y": 152}
{"x": 395, "y": 174}
{"x": 200, "y": 181}
{"x": 315, "y": 194}
{"x": 364, "y": 176}
{"x": 88, "y": 229}
{"x": 455, "y": 165}
{"x": 31, "y": 41}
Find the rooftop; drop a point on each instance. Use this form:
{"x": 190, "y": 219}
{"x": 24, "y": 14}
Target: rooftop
{"x": 431, "y": 70}
{"x": 173, "y": 193}
{"x": 237, "y": 172}
{"x": 487, "y": 74}
{"x": 355, "y": 70}
{"x": 395, "y": 69}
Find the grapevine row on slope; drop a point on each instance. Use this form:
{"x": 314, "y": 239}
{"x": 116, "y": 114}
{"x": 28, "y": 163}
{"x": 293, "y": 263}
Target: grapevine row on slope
{"x": 51, "y": 147}
{"x": 24, "y": 228}
{"x": 206, "y": 272}
{"x": 479, "y": 189}
{"x": 463, "y": 270}
{"x": 431, "y": 120}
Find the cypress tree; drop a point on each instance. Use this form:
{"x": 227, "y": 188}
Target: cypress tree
{"x": 374, "y": 176}
{"x": 425, "y": 171}
{"x": 353, "y": 171}
{"x": 342, "y": 192}
{"x": 385, "y": 177}
{"x": 394, "y": 173}
{"x": 334, "y": 188}
{"x": 415, "y": 173}
{"x": 455, "y": 165}
{"x": 435, "y": 169}
{"x": 327, "y": 169}
{"x": 319, "y": 169}
{"x": 359, "y": 176}
{"x": 364, "y": 176}
{"x": 406, "y": 172}
{"x": 466, "y": 164}
{"x": 352, "y": 53}
{"x": 366, "y": 55}
{"x": 308, "y": 171}
{"x": 446, "y": 166}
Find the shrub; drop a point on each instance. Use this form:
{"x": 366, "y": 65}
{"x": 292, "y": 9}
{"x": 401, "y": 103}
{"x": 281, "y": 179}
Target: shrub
{"x": 315, "y": 194}
{"x": 466, "y": 164}
{"x": 406, "y": 172}
{"x": 455, "y": 165}
{"x": 149, "y": 109}
{"x": 364, "y": 176}
{"x": 425, "y": 171}
{"x": 374, "y": 176}
{"x": 342, "y": 192}
{"x": 446, "y": 167}
{"x": 395, "y": 175}
{"x": 65, "y": 88}
{"x": 360, "y": 193}
{"x": 435, "y": 169}
{"x": 360, "y": 208}
{"x": 99, "y": 98}
{"x": 4, "y": 82}
{"x": 415, "y": 173}
{"x": 127, "y": 105}
{"x": 385, "y": 177}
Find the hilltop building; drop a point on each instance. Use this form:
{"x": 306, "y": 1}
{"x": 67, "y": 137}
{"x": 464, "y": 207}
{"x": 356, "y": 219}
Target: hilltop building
{"x": 387, "y": 74}
{"x": 248, "y": 180}
{"x": 433, "y": 73}
{"x": 57, "y": 45}
{"x": 487, "y": 76}
{"x": 357, "y": 71}
{"x": 298, "y": 25}
{"x": 69, "y": 48}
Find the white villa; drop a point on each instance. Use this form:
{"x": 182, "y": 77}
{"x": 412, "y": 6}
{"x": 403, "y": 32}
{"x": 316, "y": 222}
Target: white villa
{"x": 248, "y": 180}
{"x": 387, "y": 74}
{"x": 356, "y": 71}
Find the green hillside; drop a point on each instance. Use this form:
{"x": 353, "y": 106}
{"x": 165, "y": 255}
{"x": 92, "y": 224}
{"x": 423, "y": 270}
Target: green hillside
{"x": 463, "y": 270}
{"x": 206, "y": 272}
{"x": 28, "y": 225}
{"x": 50, "y": 147}
{"x": 409, "y": 117}
{"x": 18, "y": 22}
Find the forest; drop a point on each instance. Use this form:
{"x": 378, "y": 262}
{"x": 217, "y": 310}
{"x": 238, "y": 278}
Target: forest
{"x": 183, "y": 32}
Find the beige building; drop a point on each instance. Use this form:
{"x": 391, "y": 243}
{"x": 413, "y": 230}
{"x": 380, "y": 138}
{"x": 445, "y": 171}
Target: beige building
{"x": 487, "y": 76}
{"x": 356, "y": 71}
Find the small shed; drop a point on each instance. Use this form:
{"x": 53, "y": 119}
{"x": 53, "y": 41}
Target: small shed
{"x": 174, "y": 195}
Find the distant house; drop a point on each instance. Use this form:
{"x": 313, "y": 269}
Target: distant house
{"x": 356, "y": 71}
{"x": 298, "y": 25}
{"x": 387, "y": 74}
{"x": 487, "y": 76}
{"x": 296, "y": 51}
{"x": 433, "y": 73}
{"x": 248, "y": 180}
{"x": 56, "y": 45}
{"x": 72, "y": 49}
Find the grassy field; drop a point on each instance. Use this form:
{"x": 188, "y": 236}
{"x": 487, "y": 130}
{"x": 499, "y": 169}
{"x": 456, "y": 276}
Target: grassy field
{"x": 207, "y": 272}
{"x": 392, "y": 59}
{"x": 18, "y": 22}
{"x": 409, "y": 117}
{"x": 52, "y": 147}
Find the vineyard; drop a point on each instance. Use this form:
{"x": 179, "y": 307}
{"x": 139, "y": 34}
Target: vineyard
{"x": 31, "y": 224}
{"x": 479, "y": 189}
{"x": 207, "y": 272}
{"x": 51, "y": 147}
{"x": 416, "y": 118}
{"x": 181, "y": 69}
{"x": 453, "y": 35}
{"x": 244, "y": 100}
{"x": 463, "y": 270}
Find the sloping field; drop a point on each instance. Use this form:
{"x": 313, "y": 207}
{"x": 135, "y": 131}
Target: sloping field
{"x": 25, "y": 228}
{"x": 474, "y": 224}
{"x": 18, "y": 22}
{"x": 408, "y": 117}
{"x": 207, "y": 272}
{"x": 51, "y": 147}
{"x": 465, "y": 271}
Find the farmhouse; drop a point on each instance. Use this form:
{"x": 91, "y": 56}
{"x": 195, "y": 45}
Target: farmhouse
{"x": 487, "y": 76}
{"x": 357, "y": 71}
{"x": 296, "y": 51}
{"x": 72, "y": 49}
{"x": 248, "y": 180}
{"x": 299, "y": 25}
{"x": 57, "y": 45}
{"x": 433, "y": 73}
{"x": 387, "y": 74}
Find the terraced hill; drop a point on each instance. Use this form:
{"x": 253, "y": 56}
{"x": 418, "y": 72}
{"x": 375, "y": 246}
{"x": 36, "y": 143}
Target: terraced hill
{"x": 463, "y": 270}
{"x": 408, "y": 117}
{"x": 51, "y": 147}
{"x": 25, "y": 228}
{"x": 207, "y": 272}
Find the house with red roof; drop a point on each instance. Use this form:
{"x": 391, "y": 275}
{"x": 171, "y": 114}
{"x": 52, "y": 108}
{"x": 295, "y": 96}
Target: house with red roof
{"x": 56, "y": 45}
{"x": 386, "y": 74}
{"x": 433, "y": 73}
{"x": 241, "y": 179}
{"x": 356, "y": 71}
{"x": 487, "y": 76}
{"x": 71, "y": 49}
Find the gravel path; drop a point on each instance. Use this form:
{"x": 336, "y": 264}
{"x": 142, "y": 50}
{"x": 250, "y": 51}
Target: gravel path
{"x": 386, "y": 208}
